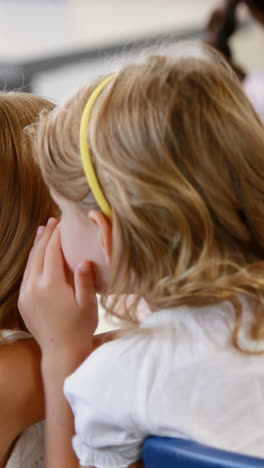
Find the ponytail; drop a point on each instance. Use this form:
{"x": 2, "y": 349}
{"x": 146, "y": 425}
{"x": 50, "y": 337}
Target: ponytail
{"x": 221, "y": 26}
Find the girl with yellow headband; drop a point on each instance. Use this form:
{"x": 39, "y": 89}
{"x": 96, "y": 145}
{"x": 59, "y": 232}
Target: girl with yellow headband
{"x": 158, "y": 172}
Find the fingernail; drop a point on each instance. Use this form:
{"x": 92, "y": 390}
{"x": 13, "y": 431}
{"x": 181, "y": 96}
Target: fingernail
{"x": 84, "y": 267}
{"x": 52, "y": 221}
{"x": 40, "y": 230}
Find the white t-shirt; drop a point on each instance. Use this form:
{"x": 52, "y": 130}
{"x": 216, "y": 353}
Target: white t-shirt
{"x": 28, "y": 451}
{"x": 180, "y": 376}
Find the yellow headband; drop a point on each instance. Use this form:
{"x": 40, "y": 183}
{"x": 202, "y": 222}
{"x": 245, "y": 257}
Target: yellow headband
{"x": 85, "y": 151}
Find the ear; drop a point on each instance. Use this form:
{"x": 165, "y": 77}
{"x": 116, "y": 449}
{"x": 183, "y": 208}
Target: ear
{"x": 104, "y": 226}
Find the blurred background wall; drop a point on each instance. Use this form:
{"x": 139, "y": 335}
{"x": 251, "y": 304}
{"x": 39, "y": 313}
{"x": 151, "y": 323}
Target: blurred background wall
{"x": 51, "y": 47}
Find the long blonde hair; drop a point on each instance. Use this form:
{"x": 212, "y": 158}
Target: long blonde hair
{"x": 25, "y": 202}
{"x": 179, "y": 152}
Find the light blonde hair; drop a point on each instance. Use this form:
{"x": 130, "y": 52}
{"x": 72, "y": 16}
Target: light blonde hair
{"x": 25, "y": 202}
{"x": 179, "y": 152}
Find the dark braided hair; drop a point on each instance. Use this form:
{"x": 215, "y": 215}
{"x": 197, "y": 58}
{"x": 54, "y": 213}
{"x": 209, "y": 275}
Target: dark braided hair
{"x": 223, "y": 23}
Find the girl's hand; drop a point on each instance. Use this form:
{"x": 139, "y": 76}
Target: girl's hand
{"x": 59, "y": 316}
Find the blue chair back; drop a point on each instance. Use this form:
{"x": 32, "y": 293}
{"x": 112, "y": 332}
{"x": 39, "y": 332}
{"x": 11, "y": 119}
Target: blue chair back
{"x": 163, "y": 452}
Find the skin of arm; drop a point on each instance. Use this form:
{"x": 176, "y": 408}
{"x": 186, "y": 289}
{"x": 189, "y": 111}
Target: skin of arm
{"x": 21, "y": 392}
{"x": 60, "y": 421}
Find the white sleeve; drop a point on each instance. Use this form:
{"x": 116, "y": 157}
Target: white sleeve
{"x": 105, "y": 398}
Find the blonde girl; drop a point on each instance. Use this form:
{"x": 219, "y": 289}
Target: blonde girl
{"x": 158, "y": 171}
{"x": 24, "y": 204}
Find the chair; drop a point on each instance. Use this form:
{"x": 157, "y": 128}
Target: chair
{"x": 163, "y": 452}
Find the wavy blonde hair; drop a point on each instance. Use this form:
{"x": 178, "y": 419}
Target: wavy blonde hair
{"x": 179, "y": 152}
{"x": 25, "y": 202}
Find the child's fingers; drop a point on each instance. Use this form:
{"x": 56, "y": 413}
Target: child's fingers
{"x": 35, "y": 261}
{"x": 29, "y": 260}
{"x": 53, "y": 262}
{"x": 85, "y": 293}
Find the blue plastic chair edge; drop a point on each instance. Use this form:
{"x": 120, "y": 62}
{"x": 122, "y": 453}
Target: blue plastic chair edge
{"x": 197, "y": 452}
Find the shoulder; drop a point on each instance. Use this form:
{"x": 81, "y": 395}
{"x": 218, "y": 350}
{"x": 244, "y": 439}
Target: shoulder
{"x": 135, "y": 361}
{"x": 115, "y": 378}
{"x": 21, "y": 393}
{"x": 111, "y": 357}
{"x": 113, "y": 366}
{"x": 137, "y": 350}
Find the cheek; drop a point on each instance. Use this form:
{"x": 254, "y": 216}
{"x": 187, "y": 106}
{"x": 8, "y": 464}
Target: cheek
{"x": 69, "y": 245}
{"x": 78, "y": 243}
